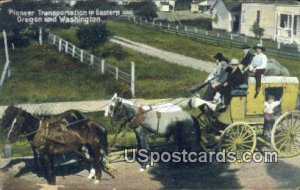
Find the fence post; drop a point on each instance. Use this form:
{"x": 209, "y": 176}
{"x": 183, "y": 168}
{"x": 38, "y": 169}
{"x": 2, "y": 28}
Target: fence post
{"x": 206, "y": 33}
{"x": 73, "y": 51}
{"x": 102, "y": 66}
{"x": 245, "y": 39}
{"x": 92, "y": 59}
{"x": 261, "y": 41}
{"x": 160, "y": 24}
{"x": 81, "y": 55}
{"x": 177, "y": 28}
{"x": 134, "y": 19}
{"x": 132, "y": 79}
{"x": 40, "y": 36}
{"x": 278, "y": 47}
{"x": 6, "y": 66}
{"x": 153, "y": 23}
{"x": 59, "y": 45}
{"x": 6, "y": 54}
{"x": 196, "y": 30}
{"x": 117, "y": 73}
{"x": 54, "y": 39}
{"x": 185, "y": 28}
{"x": 168, "y": 26}
{"x": 67, "y": 47}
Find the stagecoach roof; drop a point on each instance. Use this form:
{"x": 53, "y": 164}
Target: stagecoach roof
{"x": 276, "y": 80}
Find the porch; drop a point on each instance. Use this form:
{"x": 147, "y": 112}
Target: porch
{"x": 288, "y": 28}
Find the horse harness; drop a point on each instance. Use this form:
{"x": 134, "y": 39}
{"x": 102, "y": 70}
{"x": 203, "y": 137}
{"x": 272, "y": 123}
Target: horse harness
{"x": 41, "y": 134}
{"x": 138, "y": 118}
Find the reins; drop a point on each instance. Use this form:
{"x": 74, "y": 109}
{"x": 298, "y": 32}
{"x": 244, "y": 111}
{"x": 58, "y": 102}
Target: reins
{"x": 39, "y": 130}
{"x": 151, "y": 109}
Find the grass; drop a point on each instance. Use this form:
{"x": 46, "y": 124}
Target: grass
{"x": 49, "y": 76}
{"x": 183, "y": 45}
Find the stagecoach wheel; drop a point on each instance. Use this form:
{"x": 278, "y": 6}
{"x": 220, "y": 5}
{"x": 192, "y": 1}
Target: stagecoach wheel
{"x": 285, "y": 136}
{"x": 238, "y": 138}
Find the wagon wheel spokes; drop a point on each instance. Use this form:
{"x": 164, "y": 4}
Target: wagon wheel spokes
{"x": 238, "y": 138}
{"x": 285, "y": 137}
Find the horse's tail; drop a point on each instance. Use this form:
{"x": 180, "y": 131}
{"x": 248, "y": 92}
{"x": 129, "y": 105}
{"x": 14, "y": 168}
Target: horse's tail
{"x": 102, "y": 132}
{"x": 197, "y": 131}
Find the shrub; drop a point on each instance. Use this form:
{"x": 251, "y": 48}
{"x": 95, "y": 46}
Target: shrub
{"x": 144, "y": 10}
{"x": 257, "y": 30}
{"x": 91, "y": 36}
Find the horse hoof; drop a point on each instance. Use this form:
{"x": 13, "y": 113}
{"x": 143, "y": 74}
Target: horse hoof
{"x": 92, "y": 174}
{"x": 142, "y": 169}
{"x": 90, "y": 177}
{"x": 97, "y": 182}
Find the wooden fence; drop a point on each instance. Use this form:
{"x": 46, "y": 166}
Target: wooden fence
{"x": 225, "y": 40}
{"x": 88, "y": 58}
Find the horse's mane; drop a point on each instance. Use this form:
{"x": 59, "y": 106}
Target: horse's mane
{"x": 9, "y": 114}
{"x": 129, "y": 102}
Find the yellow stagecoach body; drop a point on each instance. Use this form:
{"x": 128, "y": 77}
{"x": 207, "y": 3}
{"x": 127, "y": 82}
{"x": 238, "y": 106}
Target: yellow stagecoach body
{"x": 249, "y": 109}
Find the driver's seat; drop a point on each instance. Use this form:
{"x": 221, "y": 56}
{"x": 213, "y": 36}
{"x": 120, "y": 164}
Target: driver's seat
{"x": 240, "y": 90}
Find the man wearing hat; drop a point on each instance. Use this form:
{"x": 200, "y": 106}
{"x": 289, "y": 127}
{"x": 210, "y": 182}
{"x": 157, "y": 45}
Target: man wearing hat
{"x": 235, "y": 78}
{"x": 258, "y": 66}
{"x": 248, "y": 56}
{"x": 217, "y": 77}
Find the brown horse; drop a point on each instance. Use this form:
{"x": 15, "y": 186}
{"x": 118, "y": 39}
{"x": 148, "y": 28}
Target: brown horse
{"x": 55, "y": 138}
{"x": 69, "y": 116}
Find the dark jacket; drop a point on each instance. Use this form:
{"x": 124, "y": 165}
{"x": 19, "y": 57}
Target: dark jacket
{"x": 235, "y": 78}
{"x": 247, "y": 59}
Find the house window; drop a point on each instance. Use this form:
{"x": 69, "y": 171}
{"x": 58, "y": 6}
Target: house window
{"x": 258, "y": 17}
{"x": 285, "y": 21}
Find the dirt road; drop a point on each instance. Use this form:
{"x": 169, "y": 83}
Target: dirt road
{"x": 165, "y": 55}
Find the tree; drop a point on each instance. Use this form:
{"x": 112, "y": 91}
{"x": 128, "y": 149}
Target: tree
{"x": 144, "y": 10}
{"x": 91, "y": 36}
{"x": 257, "y": 30}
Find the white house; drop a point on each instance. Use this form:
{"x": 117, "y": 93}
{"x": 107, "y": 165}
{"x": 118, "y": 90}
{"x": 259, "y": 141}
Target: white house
{"x": 165, "y": 5}
{"x": 280, "y": 21}
{"x": 204, "y": 6}
{"x": 68, "y": 2}
{"x": 226, "y": 15}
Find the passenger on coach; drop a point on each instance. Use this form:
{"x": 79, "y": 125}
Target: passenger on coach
{"x": 246, "y": 61}
{"x": 217, "y": 77}
{"x": 258, "y": 66}
{"x": 235, "y": 78}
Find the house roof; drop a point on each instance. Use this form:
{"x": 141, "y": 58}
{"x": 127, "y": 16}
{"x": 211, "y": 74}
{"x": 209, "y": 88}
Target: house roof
{"x": 233, "y": 5}
{"x": 236, "y": 5}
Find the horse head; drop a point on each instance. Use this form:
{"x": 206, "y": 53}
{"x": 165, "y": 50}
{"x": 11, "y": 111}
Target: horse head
{"x": 116, "y": 110}
{"x": 9, "y": 115}
{"x": 17, "y": 126}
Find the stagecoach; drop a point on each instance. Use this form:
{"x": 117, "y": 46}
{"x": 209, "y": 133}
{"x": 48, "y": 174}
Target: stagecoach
{"x": 239, "y": 129}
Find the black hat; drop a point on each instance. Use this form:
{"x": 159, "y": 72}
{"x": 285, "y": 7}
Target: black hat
{"x": 245, "y": 46}
{"x": 260, "y": 46}
{"x": 219, "y": 56}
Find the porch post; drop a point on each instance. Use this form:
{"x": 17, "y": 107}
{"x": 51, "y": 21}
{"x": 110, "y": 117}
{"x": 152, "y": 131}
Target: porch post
{"x": 292, "y": 28}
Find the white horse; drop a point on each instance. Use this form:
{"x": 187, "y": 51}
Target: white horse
{"x": 164, "y": 120}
